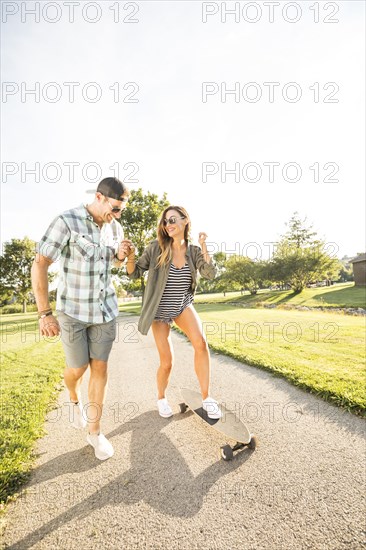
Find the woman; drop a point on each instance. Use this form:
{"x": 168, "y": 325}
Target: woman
{"x": 172, "y": 264}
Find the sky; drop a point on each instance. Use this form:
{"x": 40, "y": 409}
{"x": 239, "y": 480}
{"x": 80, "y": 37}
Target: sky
{"x": 141, "y": 90}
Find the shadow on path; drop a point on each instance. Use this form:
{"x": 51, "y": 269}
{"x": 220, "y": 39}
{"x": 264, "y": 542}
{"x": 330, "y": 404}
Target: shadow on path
{"x": 158, "y": 476}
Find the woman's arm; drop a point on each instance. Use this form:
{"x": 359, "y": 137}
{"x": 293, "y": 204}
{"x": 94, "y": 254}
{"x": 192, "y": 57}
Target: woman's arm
{"x": 203, "y": 260}
{"x": 202, "y": 242}
{"x": 135, "y": 269}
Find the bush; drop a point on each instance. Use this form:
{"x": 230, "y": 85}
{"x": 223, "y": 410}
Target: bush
{"x": 13, "y": 308}
{"x": 18, "y": 308}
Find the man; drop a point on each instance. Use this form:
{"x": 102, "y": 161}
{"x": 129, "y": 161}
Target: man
{"x": 88, "y": 242}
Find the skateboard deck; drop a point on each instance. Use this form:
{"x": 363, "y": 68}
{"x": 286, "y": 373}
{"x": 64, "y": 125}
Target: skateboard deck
{"x": 229, "y": 424}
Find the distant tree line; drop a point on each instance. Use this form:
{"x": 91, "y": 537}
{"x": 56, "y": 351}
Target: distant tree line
{"x": 299, "y": 259}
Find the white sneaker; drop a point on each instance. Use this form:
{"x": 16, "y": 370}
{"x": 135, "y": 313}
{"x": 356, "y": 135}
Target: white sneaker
{"x": 76, "y": 415}
{"x": 103, "y": 449}
{"x": 164, "y": 408}
{"x": 212, "y": 408}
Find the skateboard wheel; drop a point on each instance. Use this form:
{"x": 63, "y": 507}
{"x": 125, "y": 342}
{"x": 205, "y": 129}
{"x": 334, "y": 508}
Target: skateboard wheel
{"x": 253, "y": 443}
{"x": 227, "y": 452}
{"x": 183, "y": 407}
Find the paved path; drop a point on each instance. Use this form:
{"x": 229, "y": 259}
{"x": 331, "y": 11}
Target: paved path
{"x": 166, "y": 486}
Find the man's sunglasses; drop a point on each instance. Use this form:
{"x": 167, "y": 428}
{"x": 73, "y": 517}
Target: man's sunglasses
{"x": 172, "y": 220}
{"x": 116, "y": 209}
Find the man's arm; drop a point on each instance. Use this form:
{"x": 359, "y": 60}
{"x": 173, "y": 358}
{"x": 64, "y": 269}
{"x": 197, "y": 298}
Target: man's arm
{"x": 48, "y": 324}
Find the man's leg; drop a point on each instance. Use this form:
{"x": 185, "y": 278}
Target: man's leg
{"x": 100, "y": 340}
{"x": 96, "y": 393}
{"x": 73, "y": 378}
{"x": 74, "y": 341}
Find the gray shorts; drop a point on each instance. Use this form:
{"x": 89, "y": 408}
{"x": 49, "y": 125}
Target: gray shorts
{"x": 84, "y": 341}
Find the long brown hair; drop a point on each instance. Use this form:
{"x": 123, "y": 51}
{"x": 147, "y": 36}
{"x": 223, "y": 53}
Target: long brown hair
{"x": 165, "y": 242}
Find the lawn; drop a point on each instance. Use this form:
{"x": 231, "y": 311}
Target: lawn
{"x": 338, "y": 295}
{"x": 342, "y": 295}
{"x": 133, "y": 308}
{"x": 30, "y": 374}
{"x": 318, "y": 351}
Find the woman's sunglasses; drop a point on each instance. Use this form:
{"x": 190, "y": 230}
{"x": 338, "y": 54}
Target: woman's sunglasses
{"x": 172, "y": 220}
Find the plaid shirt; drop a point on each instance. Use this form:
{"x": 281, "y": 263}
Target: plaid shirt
{"x": 86, "y": 254}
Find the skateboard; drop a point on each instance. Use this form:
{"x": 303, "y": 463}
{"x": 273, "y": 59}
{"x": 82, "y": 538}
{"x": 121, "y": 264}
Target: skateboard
{"x": 229, "y": 424}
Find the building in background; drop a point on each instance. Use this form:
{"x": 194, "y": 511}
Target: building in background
{"x": 359, "y": 269}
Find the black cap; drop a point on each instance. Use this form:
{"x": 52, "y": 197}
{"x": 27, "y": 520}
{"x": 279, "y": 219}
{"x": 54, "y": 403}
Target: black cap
{"x": 112, "y": 188}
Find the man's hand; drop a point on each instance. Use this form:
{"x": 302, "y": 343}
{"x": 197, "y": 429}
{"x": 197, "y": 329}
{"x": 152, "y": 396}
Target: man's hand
{"x": 125, "y": 249}
{"x": 49, "y": 326}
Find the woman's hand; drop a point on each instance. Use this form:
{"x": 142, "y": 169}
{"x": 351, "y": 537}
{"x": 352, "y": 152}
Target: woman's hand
{"x": 202, "y": 238}
{"x": 130, "y": 266}
{"x": 131, "y": 251}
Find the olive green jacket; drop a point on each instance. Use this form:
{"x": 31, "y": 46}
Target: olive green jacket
{"x": 157, "y": 278}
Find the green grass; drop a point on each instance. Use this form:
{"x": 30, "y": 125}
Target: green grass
{"x": 218, "y": 297}
{"x": 343, "y": 295}
{"x": 339, "y": 295}
{"x": 133, "y": 308}
{"x": 30, "y": 377}
{"x": 318, "y": 351}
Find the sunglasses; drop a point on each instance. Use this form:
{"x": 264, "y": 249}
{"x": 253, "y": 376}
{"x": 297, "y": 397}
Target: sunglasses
{"x": 172, "y": 220}
{"x": 116, "y": 209}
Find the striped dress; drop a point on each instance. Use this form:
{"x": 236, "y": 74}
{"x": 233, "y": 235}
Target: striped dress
{"x": 177, "y": 294}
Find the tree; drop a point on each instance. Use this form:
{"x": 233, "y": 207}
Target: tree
{"x": 298, "y": 234}
{"x": 124, "y": 286}
{"x": 119, "y": 288}
{"x": 15, "y": 268}
{"x": 346, "y": 270}
{"x": 243, "y": 273}
{"x": 140, "y": 219}
{"x": 300, "y": 257}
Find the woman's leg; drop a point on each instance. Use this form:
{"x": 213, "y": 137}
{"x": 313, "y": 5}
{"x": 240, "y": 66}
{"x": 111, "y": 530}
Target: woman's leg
{"x": 190, "y": 323}
{"x": 163, "y": 341}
